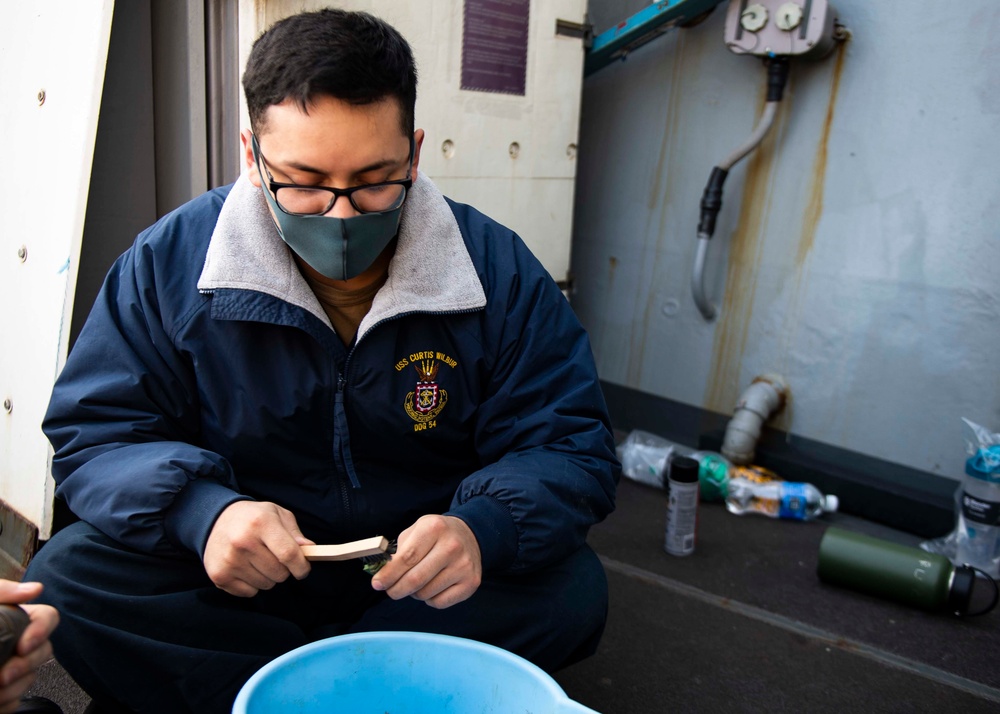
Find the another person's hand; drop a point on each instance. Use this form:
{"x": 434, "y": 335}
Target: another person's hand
{"x": 253, "y": 546}
{"x": 33, "y": 648}
{"x": 437, "y": 560}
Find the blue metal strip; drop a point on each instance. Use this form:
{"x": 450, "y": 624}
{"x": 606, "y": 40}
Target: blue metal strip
{"x": 647, "y": 24}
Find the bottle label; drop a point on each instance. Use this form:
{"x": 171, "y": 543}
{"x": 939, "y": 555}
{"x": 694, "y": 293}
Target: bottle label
{"x": 793, "y": 501}
{"x": 979, "y": 510}
{"x": 713, "y": 474}
{"x": 712, "y": 467}
{"x": 754, "y": 474}
{"x": 682, "y": 518}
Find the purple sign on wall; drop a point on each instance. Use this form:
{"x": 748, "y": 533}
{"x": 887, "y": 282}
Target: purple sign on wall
{"x": 495, "y": 46}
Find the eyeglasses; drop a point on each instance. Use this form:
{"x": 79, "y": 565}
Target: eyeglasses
{"x": 299, "y": 200}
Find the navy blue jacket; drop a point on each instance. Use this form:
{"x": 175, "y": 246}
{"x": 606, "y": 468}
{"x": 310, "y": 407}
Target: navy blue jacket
{"x": 208, "y": 372}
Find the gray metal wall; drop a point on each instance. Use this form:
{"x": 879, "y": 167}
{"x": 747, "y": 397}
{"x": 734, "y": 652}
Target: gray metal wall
{"x": 168, "y": 128}
{"x": 857, "y": 252}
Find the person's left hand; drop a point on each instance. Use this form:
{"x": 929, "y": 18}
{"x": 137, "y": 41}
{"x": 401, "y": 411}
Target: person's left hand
{"x": 33, "y": 648}
{"x": 437, "y": 560}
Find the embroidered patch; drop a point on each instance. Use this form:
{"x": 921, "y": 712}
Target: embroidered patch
{"x": 427, "y": 400}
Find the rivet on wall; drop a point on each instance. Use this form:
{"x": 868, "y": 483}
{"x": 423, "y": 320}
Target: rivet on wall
{"x": 571, "y": 151}
{"x": 41, "y": 97}
{"x": 8, "y": 405}
{"x": 671, "y": 307}
{"x": 22, "y": 253}
{"x": 514, "y": 150}
{"x": 448, "y": 148}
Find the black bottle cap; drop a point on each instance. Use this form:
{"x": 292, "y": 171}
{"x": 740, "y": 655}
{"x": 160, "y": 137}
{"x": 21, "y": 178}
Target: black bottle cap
{"x": 973, "y": 592}
{"x": 684, "y": 469}
{"x": 961, "y": 589}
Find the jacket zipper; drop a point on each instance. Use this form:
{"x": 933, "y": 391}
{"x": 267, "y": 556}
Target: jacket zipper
{"x": 341, "y": 436}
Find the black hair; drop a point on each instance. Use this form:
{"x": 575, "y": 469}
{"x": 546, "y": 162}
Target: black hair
{"x": 351, "y": 56}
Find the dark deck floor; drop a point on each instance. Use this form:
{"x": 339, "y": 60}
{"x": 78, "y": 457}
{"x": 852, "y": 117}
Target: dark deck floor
{"x": 745, "y": 625}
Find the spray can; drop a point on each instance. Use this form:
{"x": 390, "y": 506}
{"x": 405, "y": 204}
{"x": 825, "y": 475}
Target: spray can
{"x": 682, "y": 508}
{"x": 897, "y": 572}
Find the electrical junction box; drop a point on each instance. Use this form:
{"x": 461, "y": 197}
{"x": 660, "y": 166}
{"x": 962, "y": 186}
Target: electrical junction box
{"x": 786, "y": 28}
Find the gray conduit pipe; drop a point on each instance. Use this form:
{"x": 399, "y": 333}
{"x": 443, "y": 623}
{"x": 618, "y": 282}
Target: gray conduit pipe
{"x": 765, "y": 396}
{"x": 759, "y": 132}
{"x": 705, "y": 306}
{"x": 711, "y": 199}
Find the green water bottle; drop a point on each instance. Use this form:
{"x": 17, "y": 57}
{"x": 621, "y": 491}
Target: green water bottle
{"x": 898, "y": 572}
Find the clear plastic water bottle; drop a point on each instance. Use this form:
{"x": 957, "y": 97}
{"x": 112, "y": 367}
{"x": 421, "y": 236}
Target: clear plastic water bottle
{"x": 778, "y": 499}
{"x": 979, "y": 519}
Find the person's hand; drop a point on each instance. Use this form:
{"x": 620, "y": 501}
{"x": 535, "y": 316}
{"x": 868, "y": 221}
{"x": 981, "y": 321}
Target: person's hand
{"x": 437, "y": 560}
{"x": 33, "y": 648}
{"x": 253, "y": 546}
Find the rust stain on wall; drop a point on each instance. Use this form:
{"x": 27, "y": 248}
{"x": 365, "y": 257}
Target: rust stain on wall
{"x": 810, "y": 224}
{"x": 814, "y": 207}
{"x": 745, "y": 251}
{"x": 671, "y": 119}
{"x": 736, "y": 309}
{"x": 661, "y": 185}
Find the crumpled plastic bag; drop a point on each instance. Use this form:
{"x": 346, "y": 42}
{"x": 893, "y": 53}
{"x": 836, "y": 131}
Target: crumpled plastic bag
{"x": 644, "y": 457}
{"x": 976, "y": 537}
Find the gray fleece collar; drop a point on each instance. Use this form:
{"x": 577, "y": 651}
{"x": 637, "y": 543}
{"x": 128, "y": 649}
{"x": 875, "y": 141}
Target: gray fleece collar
{"x": 431, "y": 270}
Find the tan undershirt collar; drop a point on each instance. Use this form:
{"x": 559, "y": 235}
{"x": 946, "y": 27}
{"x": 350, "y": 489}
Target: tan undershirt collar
{"x": 345, "y": 308}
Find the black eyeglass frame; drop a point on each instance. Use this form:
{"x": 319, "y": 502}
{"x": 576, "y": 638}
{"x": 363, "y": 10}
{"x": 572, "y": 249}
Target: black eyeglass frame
{"x": 273, "y": 186}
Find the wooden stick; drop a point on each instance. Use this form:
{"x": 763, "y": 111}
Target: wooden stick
{"x": 346, "y": 551}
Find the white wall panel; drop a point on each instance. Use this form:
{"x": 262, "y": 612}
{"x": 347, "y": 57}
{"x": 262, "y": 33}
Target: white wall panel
{"x": 59, "y": 48}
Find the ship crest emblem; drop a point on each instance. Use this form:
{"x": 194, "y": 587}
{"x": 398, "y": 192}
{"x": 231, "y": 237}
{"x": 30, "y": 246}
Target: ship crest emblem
{"x": 427, "y": 400}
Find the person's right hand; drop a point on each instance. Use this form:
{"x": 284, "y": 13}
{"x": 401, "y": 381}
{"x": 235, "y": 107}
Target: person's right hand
{"x": 253, "y": 546}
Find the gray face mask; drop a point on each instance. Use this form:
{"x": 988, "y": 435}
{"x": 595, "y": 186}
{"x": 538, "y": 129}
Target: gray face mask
{"x": 338, "y": 248}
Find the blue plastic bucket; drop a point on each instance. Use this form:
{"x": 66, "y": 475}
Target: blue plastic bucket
{"x": 402, "y": 673}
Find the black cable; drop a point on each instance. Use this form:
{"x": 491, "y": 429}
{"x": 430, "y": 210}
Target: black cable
{"x": 711, "y": 201}
{"x": 711, "y": 198}
{"x": 777, "y": 77}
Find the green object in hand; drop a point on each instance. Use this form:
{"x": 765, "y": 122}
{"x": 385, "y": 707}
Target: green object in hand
{"x": 374, "y": 563}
